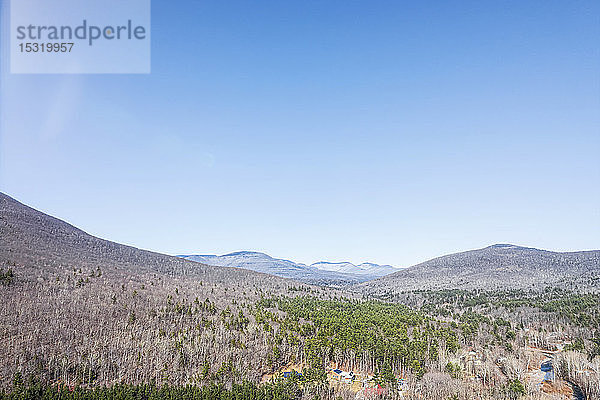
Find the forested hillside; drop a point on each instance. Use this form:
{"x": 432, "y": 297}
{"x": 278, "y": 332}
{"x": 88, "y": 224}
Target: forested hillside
{"x": 81, "y": 309}
{"x": 496, "y": 267}
{"x": 82, "y": 318}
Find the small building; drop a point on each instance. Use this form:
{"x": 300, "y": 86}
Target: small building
{"x": 289, "y": 374}
{"x": 347, "y": 377}
{"x": 546, "y": 366}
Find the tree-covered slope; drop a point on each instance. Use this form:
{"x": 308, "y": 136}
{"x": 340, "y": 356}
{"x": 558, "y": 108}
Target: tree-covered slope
{"x": 496, "y": 267}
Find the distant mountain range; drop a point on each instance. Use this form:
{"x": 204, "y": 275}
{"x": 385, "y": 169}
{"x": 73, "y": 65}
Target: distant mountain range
{"x": 366, "y": 269}
{"x": 317, "y": 273}
{"x": 497, "y": 267}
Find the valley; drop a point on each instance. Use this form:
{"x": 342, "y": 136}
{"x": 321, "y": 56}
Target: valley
{"x": 83, "y": 317}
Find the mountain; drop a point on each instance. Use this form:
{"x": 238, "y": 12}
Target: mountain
{"x": 41, "y": 244}
{"x": 341, "y": 267}
{"x": 500, "y": 266}
{"x": 366, "y": 269}
{"x": 261, "y": 262}
{"x": 317, "y": 273}
{"x": 77, "y": 308}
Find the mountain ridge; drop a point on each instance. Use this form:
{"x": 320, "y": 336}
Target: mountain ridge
{"x": 313, "y": 273}
{"x": 42, "y": 244}
{"x": 498, "y": 266}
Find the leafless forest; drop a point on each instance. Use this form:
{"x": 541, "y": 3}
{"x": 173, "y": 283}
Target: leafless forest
{"x": 82, "y": 312}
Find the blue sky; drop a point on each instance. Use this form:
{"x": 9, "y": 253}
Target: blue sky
{"x": 389, "y": 132}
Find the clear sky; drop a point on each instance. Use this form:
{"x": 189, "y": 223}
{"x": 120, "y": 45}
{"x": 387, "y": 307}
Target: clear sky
{"x": 379, "y": 131}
